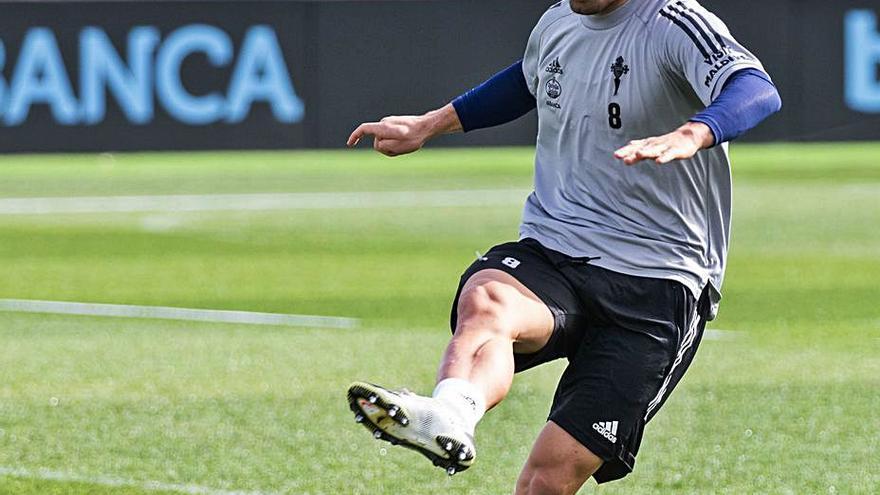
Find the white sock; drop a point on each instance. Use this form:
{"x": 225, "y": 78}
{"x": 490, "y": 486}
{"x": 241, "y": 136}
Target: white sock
{"x": 464, "y": 397}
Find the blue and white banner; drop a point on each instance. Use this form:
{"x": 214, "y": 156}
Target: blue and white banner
{"x": 142, "y": 75}
{"x": 862, "y": 67}
{"x": 148, "y": 73}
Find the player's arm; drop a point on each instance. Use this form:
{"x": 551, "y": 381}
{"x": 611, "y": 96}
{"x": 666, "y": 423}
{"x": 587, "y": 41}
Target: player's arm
{"x": 695, "y": 46}
{"x": 501, "y": 99}
{"x": 747, "y": 99}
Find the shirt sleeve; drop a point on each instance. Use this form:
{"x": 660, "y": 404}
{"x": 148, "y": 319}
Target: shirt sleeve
{"x": 698, "y": 47}
{"x": 532, "y": 58}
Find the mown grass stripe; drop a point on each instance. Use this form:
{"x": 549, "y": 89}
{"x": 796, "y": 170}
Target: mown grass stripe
{"x": 262, "y": 201}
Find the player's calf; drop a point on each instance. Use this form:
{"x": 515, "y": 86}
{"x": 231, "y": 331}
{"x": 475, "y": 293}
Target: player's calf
{"x": 557, "y": 465}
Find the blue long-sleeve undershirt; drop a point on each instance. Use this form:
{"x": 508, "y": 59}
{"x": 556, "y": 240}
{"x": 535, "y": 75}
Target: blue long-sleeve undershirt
{"x": 747, "y": 98}
{"x": 501, "y": 99}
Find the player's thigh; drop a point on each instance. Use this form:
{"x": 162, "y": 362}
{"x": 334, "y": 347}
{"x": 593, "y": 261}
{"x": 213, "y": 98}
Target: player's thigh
{"x": 557, "y": 464}
{"x": 524, "y": 289}
{"x": 495, "y": 295}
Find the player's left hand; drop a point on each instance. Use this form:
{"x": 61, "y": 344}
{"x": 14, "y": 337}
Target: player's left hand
{"x": 680, "y": 144}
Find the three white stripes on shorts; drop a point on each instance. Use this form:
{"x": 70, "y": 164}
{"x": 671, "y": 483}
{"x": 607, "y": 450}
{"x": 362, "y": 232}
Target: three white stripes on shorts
{"x": 686, "y": 344}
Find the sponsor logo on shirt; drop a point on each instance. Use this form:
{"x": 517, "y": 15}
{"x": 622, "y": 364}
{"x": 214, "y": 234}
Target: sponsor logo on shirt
{"x": 720, "y": 65}
{"x": 555, "y": 67}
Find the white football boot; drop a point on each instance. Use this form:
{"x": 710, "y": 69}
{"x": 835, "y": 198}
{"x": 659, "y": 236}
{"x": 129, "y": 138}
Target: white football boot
{"x": 424, "y": 424}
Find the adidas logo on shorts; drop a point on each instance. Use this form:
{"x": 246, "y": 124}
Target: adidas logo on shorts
{"x": 607, "y": 429}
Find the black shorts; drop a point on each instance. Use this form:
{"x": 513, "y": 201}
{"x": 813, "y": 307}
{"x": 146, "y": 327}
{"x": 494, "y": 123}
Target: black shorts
{"x": 628, "y": 341}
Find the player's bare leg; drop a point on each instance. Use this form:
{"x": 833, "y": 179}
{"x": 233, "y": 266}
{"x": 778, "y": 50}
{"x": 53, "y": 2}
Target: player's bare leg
{"x": 557, "y": 465}
{"x": 497, "y": 316}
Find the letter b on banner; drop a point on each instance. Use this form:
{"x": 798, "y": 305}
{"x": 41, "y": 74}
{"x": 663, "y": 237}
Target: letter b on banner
{"x": 862, "y": 61}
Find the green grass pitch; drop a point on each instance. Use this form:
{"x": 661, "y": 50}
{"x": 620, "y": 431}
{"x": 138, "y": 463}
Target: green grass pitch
{"x": 788, "y": 406}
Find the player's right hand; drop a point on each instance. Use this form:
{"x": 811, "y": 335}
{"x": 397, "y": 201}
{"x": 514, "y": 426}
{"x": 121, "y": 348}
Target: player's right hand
{"x": 395, "y": 135}
{"x": 399, "y": 135}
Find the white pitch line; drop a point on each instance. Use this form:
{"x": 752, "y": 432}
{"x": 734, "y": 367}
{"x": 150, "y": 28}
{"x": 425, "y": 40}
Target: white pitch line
{"x": 169, "y": 313}
{"x": 265, "y": 201}
{"x": 115, "y": 482}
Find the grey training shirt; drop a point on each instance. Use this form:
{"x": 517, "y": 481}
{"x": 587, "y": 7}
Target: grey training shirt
{"x": 602, "y": 81}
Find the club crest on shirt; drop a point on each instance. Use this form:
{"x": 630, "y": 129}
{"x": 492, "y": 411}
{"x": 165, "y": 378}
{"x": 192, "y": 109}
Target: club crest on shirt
{"x": 554, "y": 88}
{"x": 554, "y": 91}
{"x": 618, "y": 69}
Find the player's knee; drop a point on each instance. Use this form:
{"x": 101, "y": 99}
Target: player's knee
{"x": 556, "y": 472}
{"x": 541, "y": 482}
{"x": 486, "y": 306}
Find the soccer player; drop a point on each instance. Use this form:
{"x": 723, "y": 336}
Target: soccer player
{"x": 622, "y": 244}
